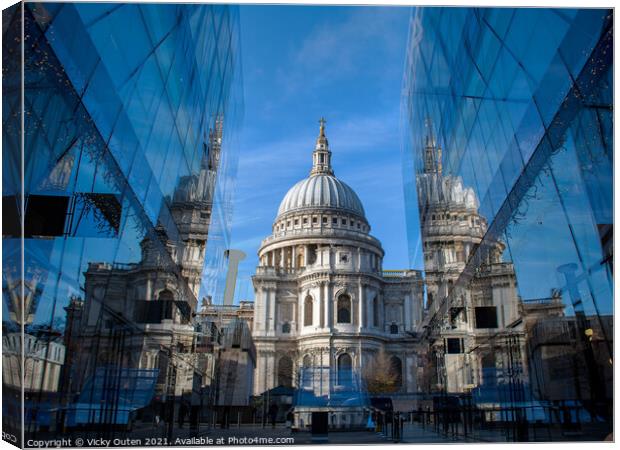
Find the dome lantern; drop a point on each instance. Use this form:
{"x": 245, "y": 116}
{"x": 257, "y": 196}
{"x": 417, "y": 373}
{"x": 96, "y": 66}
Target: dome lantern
{"x": 321, "y": 157}
{"x": 321, "y": 190}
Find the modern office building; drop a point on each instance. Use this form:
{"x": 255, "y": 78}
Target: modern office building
{"x": 453, "y": 229}
{"x": 520, "y": 102}
{"x": 128, "y": 167}
{"x": 227, "y": 349}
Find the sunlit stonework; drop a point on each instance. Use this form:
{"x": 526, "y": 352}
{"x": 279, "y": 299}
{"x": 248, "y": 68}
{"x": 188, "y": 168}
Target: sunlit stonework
{"x": 323, "y": 300}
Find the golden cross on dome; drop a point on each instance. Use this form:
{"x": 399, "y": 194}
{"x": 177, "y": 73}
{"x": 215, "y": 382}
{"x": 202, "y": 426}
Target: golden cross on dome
{"x": 322, "y": 122}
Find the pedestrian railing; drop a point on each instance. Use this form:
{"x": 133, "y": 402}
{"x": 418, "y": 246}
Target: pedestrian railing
{"x": 511, "y": 424}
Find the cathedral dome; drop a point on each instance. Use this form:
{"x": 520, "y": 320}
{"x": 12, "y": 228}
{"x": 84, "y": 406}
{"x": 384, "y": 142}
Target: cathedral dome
{"x": 321, "y": 189}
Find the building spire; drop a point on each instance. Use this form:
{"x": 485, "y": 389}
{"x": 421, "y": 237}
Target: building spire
{"x": 321, "y": 156}
{"x": 432, "y": 152}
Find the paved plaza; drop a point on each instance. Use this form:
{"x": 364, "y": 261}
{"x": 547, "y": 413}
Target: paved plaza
{"x": 251, "y": 434}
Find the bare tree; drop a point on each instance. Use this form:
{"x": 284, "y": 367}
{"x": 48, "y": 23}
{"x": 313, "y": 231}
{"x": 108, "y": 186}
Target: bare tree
{"x": 384, "y": 375}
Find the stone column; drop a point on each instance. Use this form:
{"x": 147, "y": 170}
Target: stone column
{"x": 295, "y": 324}
{"x": 282, "y": 258}
{"x": 257, "y": 311}
{"x": 407, "y": 306}
{"x": 148, "y": 293}
{"x": 361, "y": 305}
{"x": 306, "y": 255}
{"x": 329, "y": 305}
{"x": 265, "y": 373}
{"x": 272, "y": 309}
{"x": 294, "y": 257}
{"x": 316, "y": 309}
{"x": 381, "y": 324}
{"x": 270, "y": 372}
{"x": 302, "y": 310}
{"x": 265, "y": 308}
{"x": 409, "y": 368}
{"x": 257, "y": 381}
{"x": 322, "y": 306}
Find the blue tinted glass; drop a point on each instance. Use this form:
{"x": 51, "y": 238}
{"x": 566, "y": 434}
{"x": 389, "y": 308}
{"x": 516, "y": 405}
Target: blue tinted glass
{"x": 520, "y": 135}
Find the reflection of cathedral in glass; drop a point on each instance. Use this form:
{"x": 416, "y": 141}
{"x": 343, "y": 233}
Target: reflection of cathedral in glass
{"x": 117, "y": 209}
{"x": 147, "y": 307}
{"x": 519, "y": 275}
{"x": 463, "y": 310}
{"x": 127, "y": 171}
{"x": 327, "y": 316}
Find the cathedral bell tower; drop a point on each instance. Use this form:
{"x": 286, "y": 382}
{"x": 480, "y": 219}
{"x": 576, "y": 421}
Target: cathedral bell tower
{"x": 432, "y": 156}
{"x": 190, "y": 209}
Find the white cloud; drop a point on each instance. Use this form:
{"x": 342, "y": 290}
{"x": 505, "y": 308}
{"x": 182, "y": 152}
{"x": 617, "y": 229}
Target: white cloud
{"x": 337, "y": 47}
{"x": 377, "y": 134}
{"x": 335, "y": 51}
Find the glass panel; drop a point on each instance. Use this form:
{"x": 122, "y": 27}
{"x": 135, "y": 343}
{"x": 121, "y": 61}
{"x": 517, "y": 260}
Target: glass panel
{"x": 527, "y": 166}
{"x": 118, "y": 186}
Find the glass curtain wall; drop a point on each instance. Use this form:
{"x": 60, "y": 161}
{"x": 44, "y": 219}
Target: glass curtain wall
{"x": 128, "y": 169}
{"x": 516, "y": 106}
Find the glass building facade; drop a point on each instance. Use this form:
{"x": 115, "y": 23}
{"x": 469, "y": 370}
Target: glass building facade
{"x": 516, "y": 106}
{"x": 117, "y": 204}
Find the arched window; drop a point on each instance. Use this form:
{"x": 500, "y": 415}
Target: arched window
{"x": 307, "y": 371}
{"x": 396, "y": 370}
{"x": 285, "y": 372}
{"x": 311, "y": 251}
{"x": 344, "y": 309}
{"x": 345, "y": 368}
{"x": 308, "y": 311}
{"x": 286, "y": 327}
{"x": 393, "y": 329}
{"x": 166, "y": 294}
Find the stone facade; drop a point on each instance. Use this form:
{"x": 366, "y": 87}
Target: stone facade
{"x": 322, "y": 299}
{"x": 226, "y": 351}
{"x": 42, "y": 361}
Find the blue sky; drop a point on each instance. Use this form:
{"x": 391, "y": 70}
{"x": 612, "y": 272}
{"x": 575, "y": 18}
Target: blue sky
{"x": 301, "y": 63}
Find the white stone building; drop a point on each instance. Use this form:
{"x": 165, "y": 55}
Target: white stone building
{"x": 322, "y": 299}
{"x": 225, "y": 349}
{"x": 43, "y": 357}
